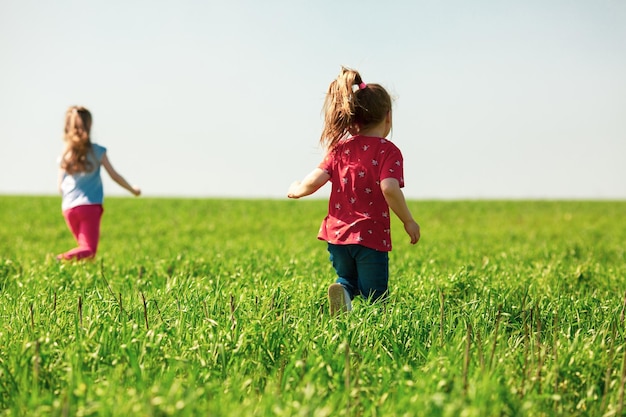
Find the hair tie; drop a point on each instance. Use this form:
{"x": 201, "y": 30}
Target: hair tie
{"x": 362, "y": 86}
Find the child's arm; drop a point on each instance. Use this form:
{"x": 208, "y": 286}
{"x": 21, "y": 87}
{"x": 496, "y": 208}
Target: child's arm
{"x": 310, "y": 184}
{"x": 60, "y": 180}
{"x": 115, "y": 176}
{"x": 395, "y": 198}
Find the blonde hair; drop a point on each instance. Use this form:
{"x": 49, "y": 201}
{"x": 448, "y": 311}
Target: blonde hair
{"x": 349, "y": 104}
{"x": 77, "y": 141}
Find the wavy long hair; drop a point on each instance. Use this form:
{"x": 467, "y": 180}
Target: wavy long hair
{"x": 350, "y": 105}
{"x": 77, "y": 139}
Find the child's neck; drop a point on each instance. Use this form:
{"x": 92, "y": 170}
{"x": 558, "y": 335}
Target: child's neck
{"x": 375, "y": 131}
{"x": 379, "y": 130}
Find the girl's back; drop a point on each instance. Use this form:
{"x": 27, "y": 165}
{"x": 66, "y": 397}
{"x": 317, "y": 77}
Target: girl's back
{"x": 357, "y": 210}
{"x": 357, "y": 166}
{"x": 84, "y": 187}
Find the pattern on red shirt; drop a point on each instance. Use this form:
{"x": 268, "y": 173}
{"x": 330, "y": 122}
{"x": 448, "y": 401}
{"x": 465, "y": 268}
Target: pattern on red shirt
{"x": 357, "y": 210}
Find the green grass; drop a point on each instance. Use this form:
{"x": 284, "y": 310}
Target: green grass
{"x": 217, "y": 307}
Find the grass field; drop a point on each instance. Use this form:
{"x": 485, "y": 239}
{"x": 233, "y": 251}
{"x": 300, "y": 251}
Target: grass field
{"x": 217, "y": 307}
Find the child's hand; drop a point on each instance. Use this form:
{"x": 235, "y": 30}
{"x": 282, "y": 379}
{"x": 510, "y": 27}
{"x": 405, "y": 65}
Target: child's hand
{"x": 310, "y": 184}
{"x": 293, "y": 190}
{"x": 413, "y": 230}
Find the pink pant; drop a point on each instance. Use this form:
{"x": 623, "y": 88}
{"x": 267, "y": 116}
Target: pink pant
{"x": 84, "y": 222}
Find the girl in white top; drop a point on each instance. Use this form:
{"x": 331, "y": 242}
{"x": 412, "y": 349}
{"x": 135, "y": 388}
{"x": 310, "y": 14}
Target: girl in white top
{"x": 80, "y": 183}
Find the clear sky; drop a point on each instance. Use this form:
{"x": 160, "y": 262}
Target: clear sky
{"x": 203, "y": 98}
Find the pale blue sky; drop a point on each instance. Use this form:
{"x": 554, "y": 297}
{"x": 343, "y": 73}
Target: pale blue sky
{"x": 494, "y": 98}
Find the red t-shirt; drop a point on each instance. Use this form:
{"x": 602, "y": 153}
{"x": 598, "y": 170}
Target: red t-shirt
{"x": 357, "y": 210}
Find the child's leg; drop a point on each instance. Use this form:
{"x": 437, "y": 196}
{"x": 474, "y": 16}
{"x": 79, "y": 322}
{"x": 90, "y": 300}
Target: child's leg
{"x": 84, "y": 222}
{"x": 340, "y": 293}
{"x": 73, "y": 221}
{"x": 345, "y": 265}
{"x": 373, "y": 273}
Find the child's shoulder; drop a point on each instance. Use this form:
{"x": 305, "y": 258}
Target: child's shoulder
{"x": 373, "y": 141}
{"x": 98, "y": 150}
{"x": 97, "y": 147}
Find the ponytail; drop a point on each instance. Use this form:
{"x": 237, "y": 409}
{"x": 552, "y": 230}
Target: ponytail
{"x": 350, "y": 105}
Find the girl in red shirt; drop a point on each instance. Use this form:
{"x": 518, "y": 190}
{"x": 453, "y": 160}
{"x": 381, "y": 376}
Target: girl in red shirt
{"x": 366, "y": 173}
